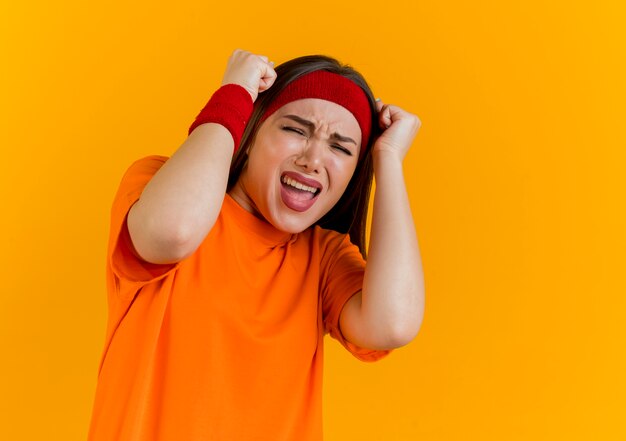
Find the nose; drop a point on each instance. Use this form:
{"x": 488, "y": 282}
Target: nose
{"x": 311, "y": 157}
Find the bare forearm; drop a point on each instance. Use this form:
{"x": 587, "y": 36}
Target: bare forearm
{"x": 181, "y": 202}
{"x": 393, "y": 288}
{"x": 183, "y": 199}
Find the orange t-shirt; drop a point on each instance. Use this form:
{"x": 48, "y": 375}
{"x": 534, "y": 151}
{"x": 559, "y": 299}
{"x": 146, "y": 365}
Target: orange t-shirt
{"x": 226, "y": 344}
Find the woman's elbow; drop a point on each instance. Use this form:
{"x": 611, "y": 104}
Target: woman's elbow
{"x": 407, "y": 332}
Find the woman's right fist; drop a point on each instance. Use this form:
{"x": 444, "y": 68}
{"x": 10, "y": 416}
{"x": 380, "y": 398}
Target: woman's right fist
{"x": 253, "y": 72}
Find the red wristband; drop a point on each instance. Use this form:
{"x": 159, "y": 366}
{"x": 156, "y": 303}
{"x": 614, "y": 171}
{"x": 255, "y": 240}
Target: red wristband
{"x": 231, "y": 106}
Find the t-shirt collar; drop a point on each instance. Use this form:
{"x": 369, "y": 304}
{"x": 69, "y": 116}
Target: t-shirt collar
{"x": 266, "y": 232}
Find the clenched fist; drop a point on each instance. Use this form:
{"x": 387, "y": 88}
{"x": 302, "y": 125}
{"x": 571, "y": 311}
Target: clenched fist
{"x": 253, "y": 72}
{"x": 399, "y": 129}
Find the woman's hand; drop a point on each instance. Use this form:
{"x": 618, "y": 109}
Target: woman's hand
{"x": 253, "y": 72}
{"x": 399, "y": 129}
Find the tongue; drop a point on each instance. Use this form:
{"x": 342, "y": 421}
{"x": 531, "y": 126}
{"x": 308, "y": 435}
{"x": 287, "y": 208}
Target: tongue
{"x": 300, "y": 195}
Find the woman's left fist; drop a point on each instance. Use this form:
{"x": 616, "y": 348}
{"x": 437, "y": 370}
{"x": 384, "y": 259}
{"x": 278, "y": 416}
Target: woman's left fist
{"x": 399, "y": 129}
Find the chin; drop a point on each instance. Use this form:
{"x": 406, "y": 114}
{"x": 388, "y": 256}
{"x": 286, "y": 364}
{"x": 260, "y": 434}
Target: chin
{"x": 285, "y": 219}
{"x": 292, "y": 221}
{"x": 293, "y": 226}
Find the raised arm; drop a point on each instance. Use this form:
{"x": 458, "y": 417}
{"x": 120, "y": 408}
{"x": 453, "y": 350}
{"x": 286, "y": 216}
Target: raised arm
{"x": 180, "y": 204}
{"x": 389, "y": 311}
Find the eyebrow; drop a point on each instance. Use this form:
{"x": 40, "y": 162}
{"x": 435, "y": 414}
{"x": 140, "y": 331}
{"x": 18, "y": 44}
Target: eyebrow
{"x": 311, "y": 126}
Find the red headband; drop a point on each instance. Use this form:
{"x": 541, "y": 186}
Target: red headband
{"x": 328, "y": 86}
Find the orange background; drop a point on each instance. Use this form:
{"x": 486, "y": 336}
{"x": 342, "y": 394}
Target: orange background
{"x": 516, "y": 182}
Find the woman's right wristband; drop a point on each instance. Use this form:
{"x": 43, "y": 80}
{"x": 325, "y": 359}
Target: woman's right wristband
{"x": 231, "y": 106}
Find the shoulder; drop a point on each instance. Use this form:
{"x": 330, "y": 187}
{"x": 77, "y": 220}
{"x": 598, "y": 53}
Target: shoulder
{"x": 329, "y": 239}
{"x": 147, "y": 163}
{"x": 142, "y": 170}
{"x": 136, "y": 176}
{"x": 334, "y": 245}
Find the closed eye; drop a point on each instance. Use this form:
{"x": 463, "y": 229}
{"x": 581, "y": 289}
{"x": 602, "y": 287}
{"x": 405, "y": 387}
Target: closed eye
{"x": 343, "y": 149}
{"x": 293, "y": 129}
{"x": 300, "y": 132}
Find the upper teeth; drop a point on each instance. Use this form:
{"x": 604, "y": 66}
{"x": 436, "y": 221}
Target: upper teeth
{"x": 293, "y": 183}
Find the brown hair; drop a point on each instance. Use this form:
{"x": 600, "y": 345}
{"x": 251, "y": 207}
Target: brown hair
{"x": 349, "y": 215}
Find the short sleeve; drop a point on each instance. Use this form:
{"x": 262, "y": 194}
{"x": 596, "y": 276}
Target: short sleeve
{"x": 342, "y": 271}
{"x": 122, "y": 259}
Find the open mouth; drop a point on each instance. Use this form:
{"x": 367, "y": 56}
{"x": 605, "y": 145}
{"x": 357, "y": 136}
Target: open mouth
{"x": 299, "y": 186}
{"x": 297, "y": 192}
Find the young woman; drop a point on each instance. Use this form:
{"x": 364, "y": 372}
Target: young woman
{"x": 230, "y": 261}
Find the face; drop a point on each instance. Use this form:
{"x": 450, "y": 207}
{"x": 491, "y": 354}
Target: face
{"x": 300, "y": 163}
